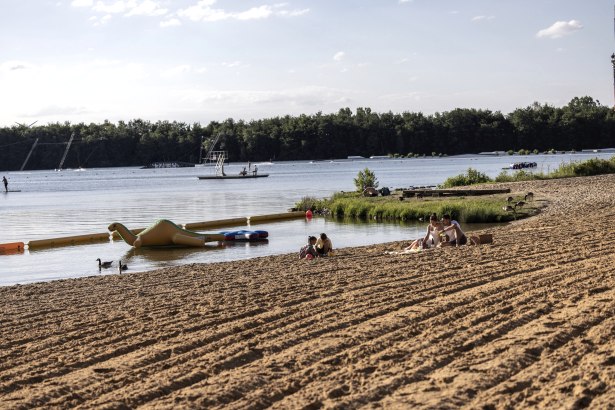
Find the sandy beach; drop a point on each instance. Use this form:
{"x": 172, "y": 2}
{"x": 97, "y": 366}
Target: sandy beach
{"x": 525, "y": 322}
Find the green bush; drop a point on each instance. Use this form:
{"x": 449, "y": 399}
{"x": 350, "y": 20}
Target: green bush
{"x": 520, "y": 175}
{"x": 364, "y": 179}
{"x": 471, "y": 177}
{"x": 308, "y": 202}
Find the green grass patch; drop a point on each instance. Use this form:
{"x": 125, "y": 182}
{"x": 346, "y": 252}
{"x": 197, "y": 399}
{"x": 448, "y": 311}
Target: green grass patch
{"x": 484, "y": 209}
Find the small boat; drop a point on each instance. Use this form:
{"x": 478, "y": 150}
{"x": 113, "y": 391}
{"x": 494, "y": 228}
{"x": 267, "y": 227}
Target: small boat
{"x": 521, "y": 165}
{"x": 233, "y": 176}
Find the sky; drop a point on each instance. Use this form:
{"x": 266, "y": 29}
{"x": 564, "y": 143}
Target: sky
{"x": 209, "y": 60}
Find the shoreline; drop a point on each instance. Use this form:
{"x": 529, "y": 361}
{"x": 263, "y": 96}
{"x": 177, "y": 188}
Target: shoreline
{"x": 524, "y": 322}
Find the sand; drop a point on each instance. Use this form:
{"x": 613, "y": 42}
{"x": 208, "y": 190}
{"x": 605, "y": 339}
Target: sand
{"x": 526, "y": 322}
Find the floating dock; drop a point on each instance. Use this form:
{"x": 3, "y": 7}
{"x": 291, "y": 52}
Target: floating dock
{"x": 408, "y": 193}
{"x": 233, "y": 176}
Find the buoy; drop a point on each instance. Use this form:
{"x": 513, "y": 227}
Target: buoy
{"x": 308, "y": 214}
{"x": 12, "y": 247}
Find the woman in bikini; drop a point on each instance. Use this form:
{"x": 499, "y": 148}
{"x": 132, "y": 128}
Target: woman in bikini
{"x": 432, "y": 236}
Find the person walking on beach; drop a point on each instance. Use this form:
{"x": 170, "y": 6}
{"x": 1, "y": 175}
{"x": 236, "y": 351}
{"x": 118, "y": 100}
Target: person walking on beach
{"x": 6, "y": 184}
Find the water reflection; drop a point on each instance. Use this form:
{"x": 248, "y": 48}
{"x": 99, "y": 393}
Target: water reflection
{"x": 284, "y": 237}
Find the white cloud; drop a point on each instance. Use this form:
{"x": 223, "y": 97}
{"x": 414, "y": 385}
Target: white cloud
{"x": 173, "y": 22}
{"x": 560, "y": 29}
{"x": 115, "y": 7}
{"x": 292, "y": 13}
{"x": 82, "y": 3}
{"x": 177, "y": 71}
{"x": 482, "y": 18}
{"x": 14, "y": 65}
{"x": 308, "y": 97}
{"x": 127, "y": 7}
{"x": 203, "y": 11}
{"x": 339, "y": 56}
{"x": 146, "y": 8}
{"x": 255, "y": 13}
{"x": 57, "y": 92}
{"x": 100, "y": 21}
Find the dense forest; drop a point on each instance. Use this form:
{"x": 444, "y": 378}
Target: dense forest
{"x": 583, "y": 123}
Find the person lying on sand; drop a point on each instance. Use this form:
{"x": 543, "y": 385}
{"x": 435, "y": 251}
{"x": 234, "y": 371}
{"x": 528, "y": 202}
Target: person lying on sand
{"x": 431, "y": 238}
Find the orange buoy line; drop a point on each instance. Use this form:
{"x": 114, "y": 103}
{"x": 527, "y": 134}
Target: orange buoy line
{"x": 12, "y": 247}
{"x": 105, "y": 236}
{"x": 275, "y": 217}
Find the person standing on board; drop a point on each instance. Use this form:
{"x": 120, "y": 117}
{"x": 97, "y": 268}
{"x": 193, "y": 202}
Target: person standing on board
{"x": 6, "y": 184}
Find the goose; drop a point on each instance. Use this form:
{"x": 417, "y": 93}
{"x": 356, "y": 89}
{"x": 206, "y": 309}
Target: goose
{"x": 508, "y": 208}
{"x": 519, "y": 204}
{"x": 122, "y": 267}
{"x": 529, "y": 196}
{"x": 104, "y": 264}
{"x": 510, "y": 199}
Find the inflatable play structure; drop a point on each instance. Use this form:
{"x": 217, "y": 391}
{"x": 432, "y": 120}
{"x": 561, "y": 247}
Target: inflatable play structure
{"x": 165, "y": 233}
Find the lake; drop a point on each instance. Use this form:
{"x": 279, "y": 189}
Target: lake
{"x": 53, "y": 204}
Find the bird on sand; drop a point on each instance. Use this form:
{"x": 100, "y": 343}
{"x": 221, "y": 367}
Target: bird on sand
{"x": 529, "y": 196}
{"x": 103, "y": 264}
{"x": 519, "y": 204}
{"x": 122, "y": 267}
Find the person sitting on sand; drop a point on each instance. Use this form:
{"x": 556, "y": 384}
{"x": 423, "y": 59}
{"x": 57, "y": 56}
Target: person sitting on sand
{"x": 453, "y": 232}
{"x": 309, "y": 251}
{"x": 324, "y": 245}
{"x": 431, "y": 238}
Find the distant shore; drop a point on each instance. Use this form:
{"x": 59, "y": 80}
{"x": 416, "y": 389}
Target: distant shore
{"x": 525, "y": 322}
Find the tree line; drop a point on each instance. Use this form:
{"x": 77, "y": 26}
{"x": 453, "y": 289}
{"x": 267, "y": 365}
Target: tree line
{"x": 582, "y": 124}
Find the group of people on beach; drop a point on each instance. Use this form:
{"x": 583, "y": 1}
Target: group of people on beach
{"x": 316, "y": 247}
{"x": 440, "y": 232}
{"x": 444, "y": 232}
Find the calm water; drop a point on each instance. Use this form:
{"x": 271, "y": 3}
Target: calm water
{"x": 73, "y": 202}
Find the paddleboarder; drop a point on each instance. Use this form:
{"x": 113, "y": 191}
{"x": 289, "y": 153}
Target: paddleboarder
{"x": 6, "y": 184}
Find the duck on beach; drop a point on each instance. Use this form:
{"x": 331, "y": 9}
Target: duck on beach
{"x": 122, "y": 267}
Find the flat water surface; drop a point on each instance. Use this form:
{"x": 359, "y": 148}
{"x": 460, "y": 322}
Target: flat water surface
{"x": 53, "y": 204}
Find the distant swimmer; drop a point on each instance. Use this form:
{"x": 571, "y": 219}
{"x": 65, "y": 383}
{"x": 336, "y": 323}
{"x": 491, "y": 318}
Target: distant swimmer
{"x": 6, "y": 184}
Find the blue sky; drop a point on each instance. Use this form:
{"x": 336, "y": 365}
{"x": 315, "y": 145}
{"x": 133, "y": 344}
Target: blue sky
{"x": 203, "y": 60}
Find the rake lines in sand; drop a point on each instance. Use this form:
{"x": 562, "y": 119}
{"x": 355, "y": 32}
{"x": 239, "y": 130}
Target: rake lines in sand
{"x": 534, "y": 314}
{"x": 149, "y": 343}
{"x": 288, "y": 386}
{"x": 516, "y": 375}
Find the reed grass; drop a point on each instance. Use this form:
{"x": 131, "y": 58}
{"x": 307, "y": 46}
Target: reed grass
{"x": 472, "y": 210}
